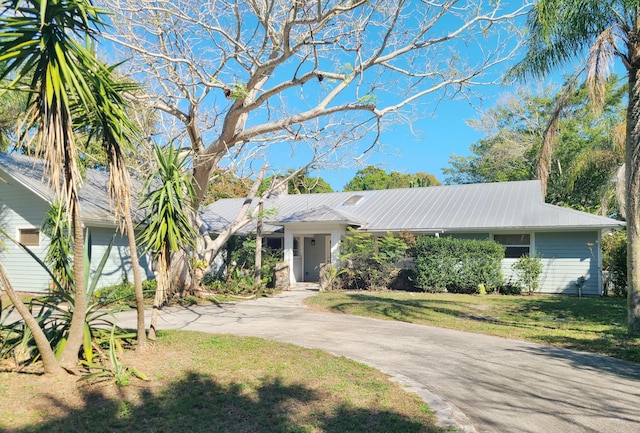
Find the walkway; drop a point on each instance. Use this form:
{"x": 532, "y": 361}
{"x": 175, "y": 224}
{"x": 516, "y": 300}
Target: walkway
{"x": 499, "y": 385}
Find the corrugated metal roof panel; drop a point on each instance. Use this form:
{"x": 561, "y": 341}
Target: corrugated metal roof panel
{"x": 95, "y": 206}
{"x": 491, "y": 206}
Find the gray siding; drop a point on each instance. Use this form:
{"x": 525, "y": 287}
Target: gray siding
{"x": 118, "y": 266}
{"x": 565, "y": 257}
{"x": 20, "y": 208}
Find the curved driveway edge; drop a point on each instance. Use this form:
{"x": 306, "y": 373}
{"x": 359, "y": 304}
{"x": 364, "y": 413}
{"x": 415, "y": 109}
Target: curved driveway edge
{"x": 501, "y": 385}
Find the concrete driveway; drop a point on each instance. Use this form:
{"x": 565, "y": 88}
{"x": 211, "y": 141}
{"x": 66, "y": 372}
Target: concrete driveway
{"x": 475, "y": 382}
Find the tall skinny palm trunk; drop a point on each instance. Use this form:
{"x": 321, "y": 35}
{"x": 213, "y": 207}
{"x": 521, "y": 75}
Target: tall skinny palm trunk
{"x": 632, "y": 163}
{"x": 69, "y": 357}
{"x": 49, "y": 362}
{"x": 137, "y": 278}
{"x": 164, "y": 264}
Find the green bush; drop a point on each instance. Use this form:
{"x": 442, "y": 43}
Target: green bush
{"x": 123, "y": 293}
{"x": 239, "y": 268}
{"x": 403, "y": 279}
{"x": 528, "y": 270}
{"x": 509, "y": 288}
{"x": 614, "y": 261}
{"x": 370, "y": 263}
{"x": 241, "y": 261}
{"x": 457, "y": 265}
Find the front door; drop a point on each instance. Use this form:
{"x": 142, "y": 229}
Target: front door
{"x": 315, "y": 254}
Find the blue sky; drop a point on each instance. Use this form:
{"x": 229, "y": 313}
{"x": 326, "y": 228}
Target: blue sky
{"x": 440, "y": 131}
{"x": 439, "y": 135}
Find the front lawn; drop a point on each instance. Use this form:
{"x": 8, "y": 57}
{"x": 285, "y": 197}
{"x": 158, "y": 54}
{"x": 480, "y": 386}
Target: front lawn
{"x": 595, "y": 325}
{"x": 219, "y": 383}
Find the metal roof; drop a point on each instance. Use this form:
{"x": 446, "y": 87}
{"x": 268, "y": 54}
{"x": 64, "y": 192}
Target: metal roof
{"x": 95, "y": 205}
{"x": 319, "y": 214}
{"x": 452, "y": 208}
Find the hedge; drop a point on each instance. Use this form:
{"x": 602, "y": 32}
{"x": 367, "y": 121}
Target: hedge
{"x": 457, "y": 265}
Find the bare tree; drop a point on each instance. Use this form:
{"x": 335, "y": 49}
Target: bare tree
{"x": 236, "y": 78}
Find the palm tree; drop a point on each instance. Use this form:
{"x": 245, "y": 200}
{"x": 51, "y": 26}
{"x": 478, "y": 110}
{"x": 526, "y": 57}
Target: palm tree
{"x": 49, "y": 42}
{"x": 168, "y": 226}
{"x": 111, "y": 125}
{"x": 561, "y": 31}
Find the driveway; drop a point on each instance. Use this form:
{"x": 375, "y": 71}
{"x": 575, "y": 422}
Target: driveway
{"x": 476, "y": 382}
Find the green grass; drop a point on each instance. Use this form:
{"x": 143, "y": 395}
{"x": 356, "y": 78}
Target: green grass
{"x": 211, "y": 383}
{"x": 595, "y": 325}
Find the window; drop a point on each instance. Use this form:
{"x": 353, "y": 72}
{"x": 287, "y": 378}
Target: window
{"x": 516, "y": 245}
{"x": 352, "y": 200}
{"x": 296, "y": 247}
{"x": 274, "y": 243}
{"x": 29, "y": 237}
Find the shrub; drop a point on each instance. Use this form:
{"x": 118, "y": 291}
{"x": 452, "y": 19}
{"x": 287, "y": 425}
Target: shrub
{"x": 614, "y": 261}
{"x": 528, "y": 270}
{"x": 117, "y": 293}
{"x": 54, "y": 313}
{"x": 509, "y": 288}
{"x": 403, "y": 279}
{"x": 241, "y": 263}
{"x": 369, "y": 263}
{"x": 123, "y": 293}
{"x": 457, "y": 265}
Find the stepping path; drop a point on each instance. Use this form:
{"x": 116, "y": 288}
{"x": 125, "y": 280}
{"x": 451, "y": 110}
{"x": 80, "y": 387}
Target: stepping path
{"x": 477, "y": 383}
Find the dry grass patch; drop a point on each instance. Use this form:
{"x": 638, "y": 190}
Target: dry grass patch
{"x": 215, "y": 383}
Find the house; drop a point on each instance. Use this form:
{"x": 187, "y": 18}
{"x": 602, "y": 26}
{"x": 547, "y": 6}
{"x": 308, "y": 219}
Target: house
{"x": 309, "y": 227}
{"x": 24, "y": 200}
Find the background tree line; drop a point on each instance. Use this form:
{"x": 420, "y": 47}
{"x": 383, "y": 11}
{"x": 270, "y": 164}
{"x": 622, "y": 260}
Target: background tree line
{"x": 588, "y": 155}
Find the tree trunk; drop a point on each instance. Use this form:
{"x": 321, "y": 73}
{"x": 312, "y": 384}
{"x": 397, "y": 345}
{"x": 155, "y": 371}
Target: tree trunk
{"x": 164, "y": 264}
{"x": 181, "y": 275}
{"x": 69, "y": 357}
{"x": 257, "y": 276}
{"x": 137, "y": 278}
{"x": 620, "y": 190}
{"x": 202, "y": 169}
{"x": 206, "y": 248}
{"x": 632, "y": 162}
{"x": 49, "y": 361}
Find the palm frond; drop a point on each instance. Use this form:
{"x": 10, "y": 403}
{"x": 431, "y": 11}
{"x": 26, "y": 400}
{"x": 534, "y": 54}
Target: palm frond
{"x": 168, "y": 204}
{"x": 598, "y": 68}
{"x": 561, "y": 31}
{"x": 40, "y": 38}
{"x": 588, "y": 160}
{"x": 543, "y": 167}
{"x": 619, "y": 138}
{"x": 111, "y": 124}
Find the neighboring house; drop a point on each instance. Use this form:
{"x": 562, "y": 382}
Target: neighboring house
{"x": 24, "y": 200}
{"x": 309, "y": 227}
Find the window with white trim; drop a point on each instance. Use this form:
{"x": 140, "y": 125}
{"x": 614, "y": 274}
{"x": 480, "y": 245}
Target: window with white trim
{"x": 29, "y": 237}
{"x": 515, "y": 245}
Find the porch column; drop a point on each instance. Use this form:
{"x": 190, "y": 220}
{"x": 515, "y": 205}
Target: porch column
{"x": 288, "y": 253}
{"x": 336, "y": 235}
